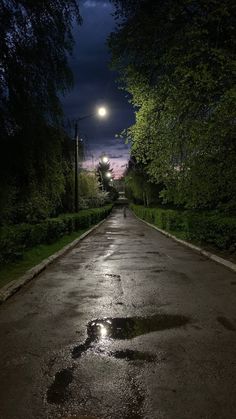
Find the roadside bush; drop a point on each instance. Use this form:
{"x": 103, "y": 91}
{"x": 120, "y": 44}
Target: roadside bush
{"x": 208, "y": 227}
{"x": 14, "y": 240}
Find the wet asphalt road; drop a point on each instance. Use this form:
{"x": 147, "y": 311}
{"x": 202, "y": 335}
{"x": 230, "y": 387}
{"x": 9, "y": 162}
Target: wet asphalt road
{"x": 129, "y": 324}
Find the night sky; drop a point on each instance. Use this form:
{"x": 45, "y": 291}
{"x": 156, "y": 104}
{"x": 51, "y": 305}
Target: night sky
{"x": 94, "y": 85}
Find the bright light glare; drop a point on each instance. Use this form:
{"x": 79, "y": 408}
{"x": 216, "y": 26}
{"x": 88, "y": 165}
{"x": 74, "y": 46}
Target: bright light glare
{"x": 104, "y": 159}
{"x": 102, "y": 111}
{"x": 108, "y": 174}
{"x": 103, "y": 331}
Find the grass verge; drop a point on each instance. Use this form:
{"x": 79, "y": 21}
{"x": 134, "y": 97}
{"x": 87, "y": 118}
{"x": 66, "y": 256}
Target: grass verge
{"x": 34, "y": 256}
{"x": 212, "y": 249}
{"x": 209, "y": 230}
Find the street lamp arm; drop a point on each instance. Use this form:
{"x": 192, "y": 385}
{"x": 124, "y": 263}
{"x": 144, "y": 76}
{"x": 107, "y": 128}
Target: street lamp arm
{"x": 100, "y": 112}
{"x": 86, "y": 116}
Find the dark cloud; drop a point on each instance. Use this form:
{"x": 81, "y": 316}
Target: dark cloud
{"x": 95, "y": 83}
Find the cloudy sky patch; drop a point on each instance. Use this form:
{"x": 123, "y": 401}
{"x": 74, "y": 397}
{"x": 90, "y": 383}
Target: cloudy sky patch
{"x": 95, "y": 84}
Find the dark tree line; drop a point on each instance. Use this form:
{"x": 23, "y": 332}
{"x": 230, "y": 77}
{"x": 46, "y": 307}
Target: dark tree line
{"x": 35, "y": 157}
{"x": 177, "y": 60}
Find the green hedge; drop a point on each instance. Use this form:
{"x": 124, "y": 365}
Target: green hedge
{"x": 14, "y": 240}
{"x": 209, "y": 227}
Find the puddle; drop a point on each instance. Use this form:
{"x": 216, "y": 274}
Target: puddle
{"x": 113, "y": 328}
{"x": 126, "y": 328}
{"x": 113, "y": 276}
{"x": 80, "y": 349}
{"x": 226, "y": 323}
{"x": 58, "y": 391}
{"x": 130, "y": 327}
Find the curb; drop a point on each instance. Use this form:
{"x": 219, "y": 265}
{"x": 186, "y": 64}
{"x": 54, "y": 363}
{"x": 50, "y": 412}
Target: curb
{"x": 13, "y": 286}
{"x": 209, "y": 255}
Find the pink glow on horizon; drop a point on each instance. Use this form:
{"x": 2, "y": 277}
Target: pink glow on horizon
{"x": 117, "y": 164}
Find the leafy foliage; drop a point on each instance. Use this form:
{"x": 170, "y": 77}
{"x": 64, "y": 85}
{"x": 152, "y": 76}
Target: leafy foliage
{"x": 38, "y": 177}
{"x": 35, "y": 40}
{"x": 15, "y": 240}
{"x": 176, "y": 59}
{"x": 103, "y": 168}
{"x": 35, "y": 158}
{"x": 138, "y": 187}
{"x": 91, "y": 195}
{"x": 204, "y": 228}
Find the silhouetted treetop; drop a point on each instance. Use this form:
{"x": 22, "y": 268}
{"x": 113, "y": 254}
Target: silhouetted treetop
{"x": 36, "y": 38}
{"x": 176, "y": 59}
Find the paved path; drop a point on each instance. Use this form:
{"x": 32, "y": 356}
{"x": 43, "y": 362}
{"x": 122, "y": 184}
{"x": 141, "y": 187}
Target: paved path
{"x": 163, "y": 347}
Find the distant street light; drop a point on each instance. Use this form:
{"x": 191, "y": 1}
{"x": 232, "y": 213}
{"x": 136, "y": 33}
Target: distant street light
{"x": 104, "y": 159}
{"x": 101, "y": 112}
{"x": 108, "y": 174}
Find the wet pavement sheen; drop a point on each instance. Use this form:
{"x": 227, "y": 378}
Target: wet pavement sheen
{"x": 127, "y": 325}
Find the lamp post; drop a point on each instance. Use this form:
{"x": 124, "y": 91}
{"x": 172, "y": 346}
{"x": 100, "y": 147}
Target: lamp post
{"x": 76, "y": 168}
{"x": 101, "y": 112}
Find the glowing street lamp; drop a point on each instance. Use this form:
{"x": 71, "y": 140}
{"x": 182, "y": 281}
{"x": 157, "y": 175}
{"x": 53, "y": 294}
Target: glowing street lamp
{"x": 108, "y": 175}
{"x": 104, "y": 159}
{"x": 101, "y": 112}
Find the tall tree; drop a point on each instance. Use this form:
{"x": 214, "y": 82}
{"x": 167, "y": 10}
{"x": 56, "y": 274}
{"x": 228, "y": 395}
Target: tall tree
{"x": 103, "y": 169}
{"x": 36, "y": 38}
{"x": 138, "y": 187}
{"x": 176, "y": 59}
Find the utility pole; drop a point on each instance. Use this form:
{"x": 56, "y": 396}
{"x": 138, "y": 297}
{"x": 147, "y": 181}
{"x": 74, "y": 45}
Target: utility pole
{"x": 76, "y": 168}
{"x": 100, "y": 112}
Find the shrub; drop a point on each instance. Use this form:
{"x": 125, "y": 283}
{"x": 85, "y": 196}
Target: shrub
{"x": 15, "y": 239}
{"x": 208, "y": 227}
